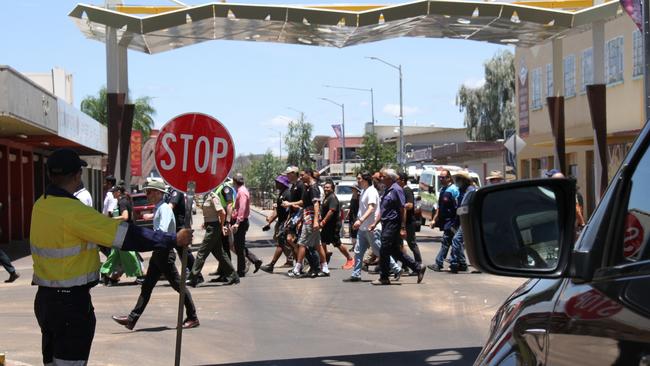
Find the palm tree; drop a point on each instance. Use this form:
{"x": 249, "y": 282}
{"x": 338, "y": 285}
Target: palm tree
{"x": 97, "y": 108}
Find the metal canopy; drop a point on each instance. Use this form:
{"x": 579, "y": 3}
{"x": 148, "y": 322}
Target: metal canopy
{"x": 498, "y": 23}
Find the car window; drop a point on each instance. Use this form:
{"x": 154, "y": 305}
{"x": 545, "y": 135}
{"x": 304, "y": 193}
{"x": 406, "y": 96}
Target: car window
{"x": 636, "y": 233}
{"x": 343, "y": 190}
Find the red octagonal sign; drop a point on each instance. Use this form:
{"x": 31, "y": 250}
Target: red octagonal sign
{"x": 194, "y": 147}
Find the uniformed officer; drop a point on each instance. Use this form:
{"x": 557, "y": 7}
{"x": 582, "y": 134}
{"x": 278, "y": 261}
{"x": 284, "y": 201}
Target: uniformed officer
{"x": 66, "y": 264}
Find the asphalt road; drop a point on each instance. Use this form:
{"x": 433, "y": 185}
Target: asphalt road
{"x": 276, "y": 320}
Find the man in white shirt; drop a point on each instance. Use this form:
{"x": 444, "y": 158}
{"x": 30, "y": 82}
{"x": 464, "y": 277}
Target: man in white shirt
{"x": 84, "y": 196}
{"x": 109, "y": 201}
{"x": 368, "y": 209}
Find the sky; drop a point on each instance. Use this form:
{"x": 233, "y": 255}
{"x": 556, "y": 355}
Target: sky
{"x": 253, "y": 88}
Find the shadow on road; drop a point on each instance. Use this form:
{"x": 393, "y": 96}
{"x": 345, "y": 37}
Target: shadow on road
{"x": 445, "y": 356}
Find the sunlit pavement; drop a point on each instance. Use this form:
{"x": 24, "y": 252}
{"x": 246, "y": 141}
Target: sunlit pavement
{"x": 271, "y": 319}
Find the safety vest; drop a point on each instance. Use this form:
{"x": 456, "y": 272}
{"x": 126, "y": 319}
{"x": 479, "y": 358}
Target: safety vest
{"x": 219, "y": 193}
{"x": 61, "y": 235}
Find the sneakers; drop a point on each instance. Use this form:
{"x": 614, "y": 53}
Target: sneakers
{"x": 294, "y": 274}
{"x": 458, "y": 268}
{"x": 220, "y": 279}
{"x": 194, "y": 281}
{"x": 352, "y": 279}
{"x": 349, "y": 264}
{"x": 191, "y": 323}
{"x": 12, "y": 277}
{"x": 139, "y": 280}
{"x": 268, "y": 268}
{"x": 232, "y": 281}
{"x": 398, "y": 274}
{"x": 435, "y": 267}
{"x": 323, "y": 274}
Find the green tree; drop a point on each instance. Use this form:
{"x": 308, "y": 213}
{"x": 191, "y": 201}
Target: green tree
{"x": 262, "y": 171}
{"x": 97, "y": 108}
{"x": 298, "y": 142}
{"x": 490, "y": 109}
{"x": 374, "y": 154}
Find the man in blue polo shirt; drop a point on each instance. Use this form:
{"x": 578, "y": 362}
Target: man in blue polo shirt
{"x": 393, "y": 222}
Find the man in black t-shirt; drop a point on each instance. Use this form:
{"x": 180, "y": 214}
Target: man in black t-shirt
{"x": 281, "y": 214}
{"x": 331, "y": 224}
{"x": 410, "y": 217}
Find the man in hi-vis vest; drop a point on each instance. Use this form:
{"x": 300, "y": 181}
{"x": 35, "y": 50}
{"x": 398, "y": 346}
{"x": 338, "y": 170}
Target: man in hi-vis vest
{"x": 66, "y": 262}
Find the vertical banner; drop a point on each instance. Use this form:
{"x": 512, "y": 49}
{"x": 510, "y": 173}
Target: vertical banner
{"x": 522, "y": 102}
{"x": 136, "y": 153}
{"x": 634, "y": 8}
{"x": 339, "y": 132}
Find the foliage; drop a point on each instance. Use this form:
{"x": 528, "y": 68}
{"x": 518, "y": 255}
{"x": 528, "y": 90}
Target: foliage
{"x": 374, "y": 154}
{"x": 262, "y": 171}
{"x": 298, "y": 142}
{"x": 97, "y": 108}
{"x": 490, "y": 109}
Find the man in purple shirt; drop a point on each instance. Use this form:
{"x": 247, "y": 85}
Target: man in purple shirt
{"x": 393, "y": 222}
{"x": 240, "y": 227}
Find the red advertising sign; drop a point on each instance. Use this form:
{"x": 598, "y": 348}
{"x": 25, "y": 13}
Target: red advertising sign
{"x": 591, "y": 305}
{"x": 194, "y": 147}
{"x": 522, "y": 103}
{"x": 136, "y": 153}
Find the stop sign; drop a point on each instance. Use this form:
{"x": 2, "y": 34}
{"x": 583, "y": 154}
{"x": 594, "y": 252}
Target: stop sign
{"x": 194, "y": 147}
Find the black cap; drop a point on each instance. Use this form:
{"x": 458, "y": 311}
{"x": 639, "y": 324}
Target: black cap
{"x": 64, "y": 161}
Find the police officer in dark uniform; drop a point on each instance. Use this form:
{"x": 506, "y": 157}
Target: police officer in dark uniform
{"x": 176, "y": 199}
{"x": 64, "y": 236}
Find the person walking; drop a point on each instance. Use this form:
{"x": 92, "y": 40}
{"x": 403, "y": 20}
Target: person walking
{"x": 458, "y": 262}
{"x": 240, "y": 227}
{"x": 411, "y": 222}
{"x": 444, "y": 218}
{"x": 176, "y": 200}
{"x": 121, "y": 262}
{"x": 331, "y": 224}
{"x": 66, "y": 266}
{"x": 214, "y": 216}
{"x": 5, "y": 261}
{"x": 162, "y": 262}
{"x": 279, "y": 216}
{"x": 393, "y": 223}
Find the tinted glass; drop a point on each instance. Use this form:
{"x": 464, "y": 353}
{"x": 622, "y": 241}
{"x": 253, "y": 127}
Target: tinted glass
{"x": 637, "y": 222}
{"x": 521, "y": 228}
{"x": 343, "y": 190}
{"x": 140, "y": 201}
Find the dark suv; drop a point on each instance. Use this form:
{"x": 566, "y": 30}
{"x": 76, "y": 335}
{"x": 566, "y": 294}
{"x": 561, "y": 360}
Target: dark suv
{"x": 586, "y": 303}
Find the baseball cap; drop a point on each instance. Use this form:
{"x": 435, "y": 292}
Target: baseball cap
{"x": 155, "y": 184}
{"x": 551, "y": 172}
{"x": 291, "y": 169}
{"x": 64, "y": 161}
{"x": 282, "y": 179}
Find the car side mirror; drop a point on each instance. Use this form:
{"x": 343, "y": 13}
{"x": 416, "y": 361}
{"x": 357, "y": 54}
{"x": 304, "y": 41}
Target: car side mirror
{"x": 523, "y": 228}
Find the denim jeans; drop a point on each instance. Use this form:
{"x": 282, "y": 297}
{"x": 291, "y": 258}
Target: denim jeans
{"x": 447, "y": 236}
{"x": 369, "y": 239}
{"x": 458, "y": 250}
{"x": 5, "y": 261}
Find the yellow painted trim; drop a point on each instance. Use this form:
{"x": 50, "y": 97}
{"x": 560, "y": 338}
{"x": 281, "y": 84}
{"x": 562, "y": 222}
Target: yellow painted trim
{"x": 136, "y": 9}
{"x": 558, "y": 4}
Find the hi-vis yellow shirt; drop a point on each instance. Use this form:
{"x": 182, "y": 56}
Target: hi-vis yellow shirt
{"x": 62, "y": 232}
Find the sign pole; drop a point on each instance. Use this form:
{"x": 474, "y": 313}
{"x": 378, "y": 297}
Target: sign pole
{"x": 189, "y": 199}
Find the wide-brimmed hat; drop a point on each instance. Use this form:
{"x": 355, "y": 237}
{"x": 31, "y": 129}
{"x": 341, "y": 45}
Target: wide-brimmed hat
{"x": 155, "y": 184}
{"x": 495, "y": 174}
{"x": 282, "y": 179}
{"x": 462, "y": 174}
{"x": 356, "y": 186}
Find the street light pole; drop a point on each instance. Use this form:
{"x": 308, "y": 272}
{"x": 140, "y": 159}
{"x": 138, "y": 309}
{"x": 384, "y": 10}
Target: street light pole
{"x": 400, "y": 157}
{"x": 342, "y": 106}
{"x": 372, "y": 101}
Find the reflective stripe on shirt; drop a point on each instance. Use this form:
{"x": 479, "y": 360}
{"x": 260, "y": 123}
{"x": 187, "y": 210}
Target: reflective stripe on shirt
{"x": 77, "y": 281}
{"x": 63, "y": 252}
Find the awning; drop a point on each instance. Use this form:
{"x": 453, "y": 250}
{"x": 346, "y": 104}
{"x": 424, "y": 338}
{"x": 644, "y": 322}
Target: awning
{"x": 493, "y": 22}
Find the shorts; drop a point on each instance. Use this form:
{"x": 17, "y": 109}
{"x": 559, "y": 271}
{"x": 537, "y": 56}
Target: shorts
{"x": 309, "y": 237}
{"x": 331, "y": 235}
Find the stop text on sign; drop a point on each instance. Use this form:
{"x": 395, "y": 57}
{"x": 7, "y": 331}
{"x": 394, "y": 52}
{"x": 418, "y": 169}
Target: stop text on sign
{"x": 194, "y": 147}
{"x": 206, "y": 153}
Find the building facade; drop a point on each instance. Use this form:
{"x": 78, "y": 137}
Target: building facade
{"x": 623, "y": 76}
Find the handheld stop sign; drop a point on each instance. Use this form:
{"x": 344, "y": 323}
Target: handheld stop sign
{"x": 194, "y": 154}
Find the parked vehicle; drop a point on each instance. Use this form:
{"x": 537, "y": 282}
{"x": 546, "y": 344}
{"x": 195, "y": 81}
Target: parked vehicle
{"x": 141, "y": 206}
{"x": 343, "y": 192}
{"x": 430, "y": 187}
{"x": 587, "y": 302}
